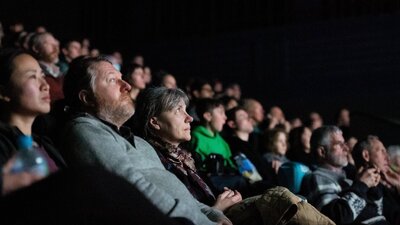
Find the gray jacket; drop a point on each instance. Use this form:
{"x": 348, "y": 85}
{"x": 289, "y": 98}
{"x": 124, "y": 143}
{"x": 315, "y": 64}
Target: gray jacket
{"x": 89, "y": 141}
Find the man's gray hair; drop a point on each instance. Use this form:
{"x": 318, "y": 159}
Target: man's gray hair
{"x": 37, "y": 40}
{"x": 151, "y": 103}
{"x": 361, "y": 145}
{"x": 322, "y": 137}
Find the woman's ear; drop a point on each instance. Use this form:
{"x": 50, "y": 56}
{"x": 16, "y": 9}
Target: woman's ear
{"x": 207, "y": 116}
{"x": 86, "y": 98}
{"x": 154, "y": 123}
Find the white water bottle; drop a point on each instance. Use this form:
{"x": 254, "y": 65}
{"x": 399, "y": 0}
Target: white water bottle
{"x": 29, "y": 158}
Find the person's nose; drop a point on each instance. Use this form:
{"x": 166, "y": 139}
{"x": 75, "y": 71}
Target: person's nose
{"x": 44, "y": 85}
{"x": 346, "y": 148}
{"x": 125, "y": 86}
{"x": 189, "y": 118}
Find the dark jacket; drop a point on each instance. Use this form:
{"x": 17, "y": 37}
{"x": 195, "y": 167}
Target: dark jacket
{"x": 8, "y": 145}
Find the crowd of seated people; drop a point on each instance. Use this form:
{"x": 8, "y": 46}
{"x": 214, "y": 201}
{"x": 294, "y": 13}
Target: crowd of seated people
{"x": 191, "y": 157}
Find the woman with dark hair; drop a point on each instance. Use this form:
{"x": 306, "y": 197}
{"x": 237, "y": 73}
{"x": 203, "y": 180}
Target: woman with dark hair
{"x": 164, "y": 79}
{"x": 134, "y": 75}
{"x": 24, "y": 95}
{"x": 299, "y": 145}
{"x": 277, "y": 145}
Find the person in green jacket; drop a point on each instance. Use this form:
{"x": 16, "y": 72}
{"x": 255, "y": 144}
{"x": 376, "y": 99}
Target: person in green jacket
{"x": 206, "y": 139}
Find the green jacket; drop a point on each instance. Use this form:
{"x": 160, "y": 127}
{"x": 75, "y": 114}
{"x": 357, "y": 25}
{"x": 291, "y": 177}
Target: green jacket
{"x": 205, "y": 143}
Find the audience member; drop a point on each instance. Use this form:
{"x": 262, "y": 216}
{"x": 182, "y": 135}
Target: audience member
{"x": 46, "y": 50}
{"x": 24, "y": 95}
{"x": 299, "y": 146}
{"x": 277, "y": 146}
{"x": 370, "y": 152}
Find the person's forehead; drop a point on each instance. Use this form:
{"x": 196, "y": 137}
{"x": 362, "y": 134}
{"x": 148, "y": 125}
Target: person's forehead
{"x": 103, "y": 68}
{"x": 48, "y": 37}
{"x": 181, "y": 102}
{"x": 376, "y": 144}
{"x": 75, "y": 44}
{"x": 219, "y": 108}
{"x": 337, "y": 136}
{"x": 241, "y": 113}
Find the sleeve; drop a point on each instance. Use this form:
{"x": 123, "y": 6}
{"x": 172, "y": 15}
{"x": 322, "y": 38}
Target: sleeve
{"x": 7, "y": 150}
{"x": 342, "y": 209}
{"x": 195, "y": 146}
{"x": 212, "y": 213}
{"x": 102, "y": 150}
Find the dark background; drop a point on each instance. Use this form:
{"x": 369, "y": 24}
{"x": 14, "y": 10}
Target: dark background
{"x": 301, "y": 55}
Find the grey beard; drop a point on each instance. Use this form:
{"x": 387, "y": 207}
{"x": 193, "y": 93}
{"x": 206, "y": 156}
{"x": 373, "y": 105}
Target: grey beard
{"x": 116, "y": 115}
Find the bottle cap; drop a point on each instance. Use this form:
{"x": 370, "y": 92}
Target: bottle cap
{"x": 25, "y": 142}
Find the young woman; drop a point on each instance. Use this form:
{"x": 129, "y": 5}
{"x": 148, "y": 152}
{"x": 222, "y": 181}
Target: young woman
{"x": 134, "y": 75}
{"x": 299, "y": 145}
{"x": 277, "y": 146}
{"x": 24, "y": 95}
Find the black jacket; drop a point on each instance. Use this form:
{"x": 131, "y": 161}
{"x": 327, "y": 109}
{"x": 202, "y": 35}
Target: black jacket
{"x": 8, "y": 145}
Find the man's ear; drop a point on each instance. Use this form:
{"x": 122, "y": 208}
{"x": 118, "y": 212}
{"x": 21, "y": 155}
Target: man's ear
{"x": 365, "y": 155}
{"x": 231, "y": 124}
{"x": 35, "y": 50}
{"x": 321, "y": 152}
{"x": 154, "y": 123}
{"x": 207, "y": 116}
{"x": 86, "y": 98}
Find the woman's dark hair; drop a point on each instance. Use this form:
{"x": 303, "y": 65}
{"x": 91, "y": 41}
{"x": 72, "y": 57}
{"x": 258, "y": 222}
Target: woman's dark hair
{"x": 7, "y": 57}
{"x": 271, "y": 136}
{"x": 151, "y": 103}
{"x": 295, "y": 142}
{"x": 206, "y": 105}
{"x": 159, "y": 77}
{"x": 128, "y": 70}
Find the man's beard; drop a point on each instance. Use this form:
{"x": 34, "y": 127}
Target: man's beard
{"x": 338, "y": 161}
{"x": 116, "y": 112}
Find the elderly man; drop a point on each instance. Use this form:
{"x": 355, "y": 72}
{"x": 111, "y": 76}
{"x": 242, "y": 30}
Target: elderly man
{"x": 370, "y": 151}
{"x": 95, "y": 136}
{"x": 342, "y": 200}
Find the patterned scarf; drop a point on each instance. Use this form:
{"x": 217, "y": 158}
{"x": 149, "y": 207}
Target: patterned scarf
{"x": 182, "y": 160}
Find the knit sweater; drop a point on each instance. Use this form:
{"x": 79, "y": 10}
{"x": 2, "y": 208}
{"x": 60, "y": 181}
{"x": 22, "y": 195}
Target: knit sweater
{"x": 342, "y": 200}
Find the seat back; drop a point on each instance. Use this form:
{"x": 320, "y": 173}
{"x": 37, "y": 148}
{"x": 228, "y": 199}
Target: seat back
{"x": 291, "y": 174}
